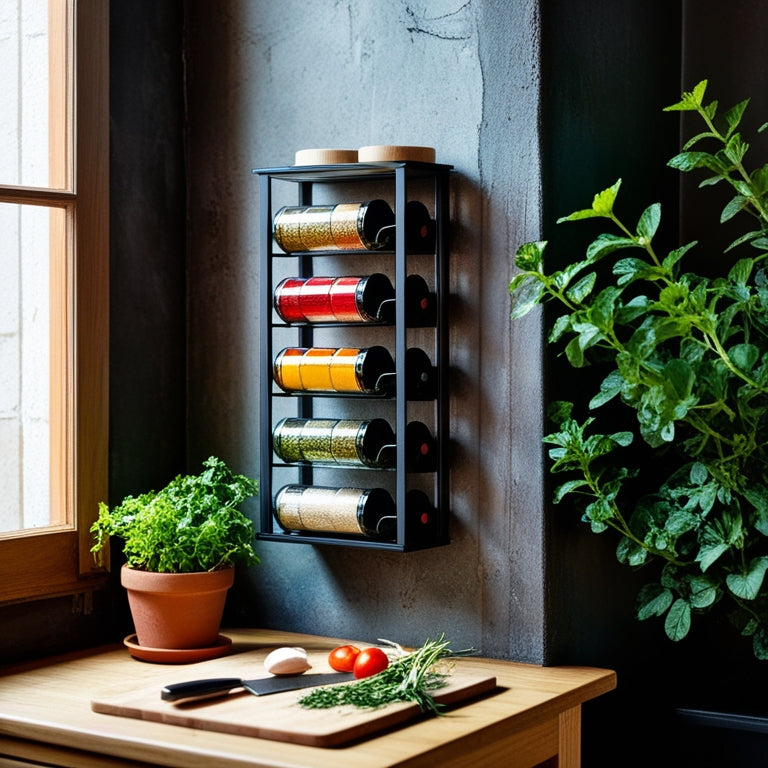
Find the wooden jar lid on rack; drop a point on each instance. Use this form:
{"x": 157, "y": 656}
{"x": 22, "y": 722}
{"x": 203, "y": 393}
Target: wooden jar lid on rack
{"x": 379, "y": 153}
{"x": 375, "y": 153}
{"x": 325, "y": 156}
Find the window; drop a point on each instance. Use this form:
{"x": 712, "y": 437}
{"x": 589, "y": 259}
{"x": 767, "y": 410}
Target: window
{"x": 54, "y": 292}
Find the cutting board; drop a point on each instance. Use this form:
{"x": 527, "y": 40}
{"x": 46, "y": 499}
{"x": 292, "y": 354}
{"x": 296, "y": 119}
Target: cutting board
{"x": 277, "y": 716}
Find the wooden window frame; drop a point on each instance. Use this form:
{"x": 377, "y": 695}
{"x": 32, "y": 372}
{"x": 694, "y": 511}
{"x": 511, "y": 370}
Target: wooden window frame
{"x": 56, "y": 560}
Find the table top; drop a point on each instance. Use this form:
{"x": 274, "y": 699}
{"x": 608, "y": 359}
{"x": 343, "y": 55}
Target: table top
{"x": 50, "y": 702}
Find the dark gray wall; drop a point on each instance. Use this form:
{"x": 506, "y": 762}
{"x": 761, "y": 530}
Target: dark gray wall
{"x": 265, "y": 80}
{"x": 147, "y": 242}
{"x": 608, "y": 70}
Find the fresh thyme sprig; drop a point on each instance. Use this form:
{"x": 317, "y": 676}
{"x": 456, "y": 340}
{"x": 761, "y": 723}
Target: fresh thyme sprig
{"x": 408, "y": 677}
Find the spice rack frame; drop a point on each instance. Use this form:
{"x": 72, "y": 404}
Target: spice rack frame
{"x": 422, "y": 522}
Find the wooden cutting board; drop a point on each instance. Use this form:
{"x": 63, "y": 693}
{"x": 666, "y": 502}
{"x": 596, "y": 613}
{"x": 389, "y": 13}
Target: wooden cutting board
{"x": 277, "y": 716}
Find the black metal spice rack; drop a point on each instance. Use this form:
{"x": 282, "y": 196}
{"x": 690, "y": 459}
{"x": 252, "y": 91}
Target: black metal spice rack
{"x": 422, "y": 522}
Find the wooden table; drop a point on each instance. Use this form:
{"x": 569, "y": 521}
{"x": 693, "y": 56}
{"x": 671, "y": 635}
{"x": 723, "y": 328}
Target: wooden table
{"x": 534, "y": 719}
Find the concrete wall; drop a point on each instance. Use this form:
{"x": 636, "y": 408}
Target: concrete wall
{"x": 267, "y": 79}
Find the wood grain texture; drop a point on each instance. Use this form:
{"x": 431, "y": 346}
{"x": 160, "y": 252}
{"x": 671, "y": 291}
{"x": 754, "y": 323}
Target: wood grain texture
{"x": 48, "y": 705}
{"x": 279, "y": 716}
{"x": 378, "y": 153}
{"x": 325, "y": 156}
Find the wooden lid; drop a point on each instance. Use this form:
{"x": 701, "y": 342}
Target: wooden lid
{"x": 325, "y": 156}
{"x": 394, "y": 153}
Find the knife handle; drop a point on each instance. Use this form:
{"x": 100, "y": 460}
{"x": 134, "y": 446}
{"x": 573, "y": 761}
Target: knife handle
{"x": 194, "y": 689}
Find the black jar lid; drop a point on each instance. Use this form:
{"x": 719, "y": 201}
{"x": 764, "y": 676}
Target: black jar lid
{"x": 376, "y": 514}
{"x": 372, "y": 292}
{"x": 374, "y": 435}
{"x": 371, "y": 364}
{"x": 372, "y": 218}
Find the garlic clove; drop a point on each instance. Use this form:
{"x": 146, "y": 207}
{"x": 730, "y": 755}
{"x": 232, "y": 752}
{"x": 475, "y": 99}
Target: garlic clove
{"x": 287, "y": 661}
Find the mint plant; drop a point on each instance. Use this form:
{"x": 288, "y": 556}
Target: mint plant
{"x": 688, "y": 354}
{"x": 193, "y": 524}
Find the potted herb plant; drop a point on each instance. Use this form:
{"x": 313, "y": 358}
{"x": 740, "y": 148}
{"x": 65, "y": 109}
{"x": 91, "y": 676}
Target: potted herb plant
{"x": 686, "y": 352}
{"x": 181, "y": 545}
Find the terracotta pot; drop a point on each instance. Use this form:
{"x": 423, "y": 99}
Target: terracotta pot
{"x": 177, "y": 610}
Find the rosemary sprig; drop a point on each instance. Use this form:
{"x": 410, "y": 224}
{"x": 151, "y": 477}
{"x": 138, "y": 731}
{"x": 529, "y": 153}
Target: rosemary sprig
{"x": 409, "y": 677}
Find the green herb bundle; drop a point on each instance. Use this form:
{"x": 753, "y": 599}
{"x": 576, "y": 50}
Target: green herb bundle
{"x": 407, "y": 678}
{"x": 688, "y": 353}
{"x": 193, "y": 524}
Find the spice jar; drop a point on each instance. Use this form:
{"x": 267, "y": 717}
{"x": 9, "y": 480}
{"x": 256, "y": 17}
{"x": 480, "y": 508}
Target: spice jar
{"x": 358, "y": 511}
{"x": 352, "y": 370}
{"x": 344, "y": 226}
{"x": 349, "y": 442}
{"x": 346, "y": 299}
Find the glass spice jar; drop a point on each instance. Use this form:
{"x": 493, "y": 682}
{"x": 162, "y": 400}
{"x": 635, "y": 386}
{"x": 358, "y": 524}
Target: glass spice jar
{"x": 344, "y": 226}
{"x": 320, "y": 299}
{"x": 357, "y": 511}
{"x": 352, "y": 370}
{"x": 350, "y": 442}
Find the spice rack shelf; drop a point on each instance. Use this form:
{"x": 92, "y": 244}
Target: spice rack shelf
{"x": 362, "y": 464}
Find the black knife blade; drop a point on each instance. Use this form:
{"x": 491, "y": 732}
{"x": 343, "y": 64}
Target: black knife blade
{"x": 198, "y": 689}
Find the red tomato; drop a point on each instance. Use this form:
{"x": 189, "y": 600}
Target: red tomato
{"x": 370, "y": 661}
{"x": 342, "y": 659}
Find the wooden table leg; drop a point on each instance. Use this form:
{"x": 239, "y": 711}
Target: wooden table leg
{"x": 570, "y": 738}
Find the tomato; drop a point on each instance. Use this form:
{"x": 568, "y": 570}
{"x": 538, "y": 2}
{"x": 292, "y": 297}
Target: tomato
{"x": 342, "y": 659}
{"x": 370, "y": 661}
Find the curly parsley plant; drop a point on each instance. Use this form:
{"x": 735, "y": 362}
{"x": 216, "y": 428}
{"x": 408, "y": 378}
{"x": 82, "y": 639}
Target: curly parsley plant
{"x": 193, "y": 524}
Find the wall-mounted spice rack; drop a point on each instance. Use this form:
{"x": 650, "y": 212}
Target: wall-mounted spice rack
{"x": 354, "y": 354}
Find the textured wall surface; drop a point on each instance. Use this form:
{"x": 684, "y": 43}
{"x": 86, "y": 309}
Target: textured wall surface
{"x": 267, "y": 79}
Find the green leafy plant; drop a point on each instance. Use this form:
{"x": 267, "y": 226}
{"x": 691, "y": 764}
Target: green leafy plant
{"x": 688, "y": 354}
{"x": 193, "y": 524}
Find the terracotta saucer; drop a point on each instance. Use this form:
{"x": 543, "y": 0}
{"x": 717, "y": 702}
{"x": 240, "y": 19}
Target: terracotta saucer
{"x": 177, "y": 656}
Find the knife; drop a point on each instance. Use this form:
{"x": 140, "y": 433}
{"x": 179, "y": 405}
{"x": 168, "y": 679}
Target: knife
{"x": 196, "y": 689}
